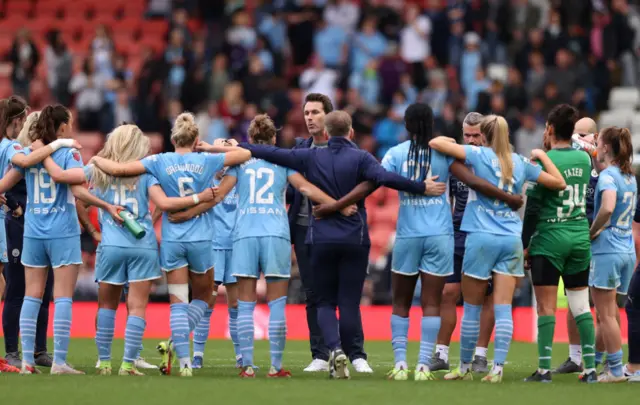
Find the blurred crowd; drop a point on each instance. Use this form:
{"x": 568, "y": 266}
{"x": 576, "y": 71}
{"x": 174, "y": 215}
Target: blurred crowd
{"x": 228, "y": 60}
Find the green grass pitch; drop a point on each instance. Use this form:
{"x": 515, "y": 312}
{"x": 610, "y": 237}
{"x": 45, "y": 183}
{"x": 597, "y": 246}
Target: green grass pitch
{"x": 219, "y": 383}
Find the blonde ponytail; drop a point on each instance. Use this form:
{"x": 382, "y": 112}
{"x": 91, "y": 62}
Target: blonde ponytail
{"x": 496, "y": 130}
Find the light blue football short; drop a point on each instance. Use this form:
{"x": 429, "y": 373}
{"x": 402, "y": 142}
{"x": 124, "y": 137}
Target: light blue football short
{"x": 428, "y": 254}
{"x": 612, "y": 271}
{"x": 121, "y": 265}
{"x": 3, "y": 242}
{"x": 486, "y": 253}
{"x": 270, "y": 255}
{"x": 222, "y": 266}
{"x": 197, "y": 256}
{"x": 51, "y": 252}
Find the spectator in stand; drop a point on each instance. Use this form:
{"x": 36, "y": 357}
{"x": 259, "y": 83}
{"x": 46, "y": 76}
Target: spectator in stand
{"x": 148, "y": 89}
{"x": 343, "y": 14}
{"x": 387, "y": 14}
{"x": 624, "y": 36}
{"x": 529, "y": 135}
{"x": 88, "y": 88}
{"x": 554, "y": 37}
{"x": 448, "y": 123}
{"x": 179, "y": 19}
{"x": 330, "y": 45}
{"x": 368, "y": 44}
{"x": 470, "y": 62}
{"x": 122, "y": 108}
{"x": 25, "y": 57}
{"x": 536, "y": 75}
{"x": 479, "y": 85}
{"x": 265, "y": 53}
{"x": 101, "y": 49}
{"x": 319, "y": 79}
{"x": 301, "y": 20}
{"x": 219, "y": 77}
{"x": 176, "y": 58}
{"x": 436, "y": 94}
{"x": 514, "y": 92}
{"x": 367, "y": 84}
{"x": 231, "y": 106}
{"x": 211, "y": 124}
{"x": 564, "y": 75}
{"x": 194, "y": 89}
{"x": 59, "y": 67}
{"x": 414, "y": 43}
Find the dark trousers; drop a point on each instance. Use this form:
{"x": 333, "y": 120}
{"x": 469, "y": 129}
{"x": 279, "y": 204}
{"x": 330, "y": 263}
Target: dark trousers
{"x": 339, "y": 272}
{"x": 633, "y": 317}
{"x": 14, "y": 292}
{"x": 303, "y": 254}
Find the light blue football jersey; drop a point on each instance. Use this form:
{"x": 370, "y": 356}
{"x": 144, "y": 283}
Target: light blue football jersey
{"x": 617, "y": 236}
{"x": 484, "y": 214}
{"x": 8, "y": 149}
{"x": 261, "y": 206}
{"x": 181, "y": 176}
{"x": 421, "y": 215}
{"x": 135, "y": 198}
{"x": 51, "y": 207}
{"x": 224, "y": 219}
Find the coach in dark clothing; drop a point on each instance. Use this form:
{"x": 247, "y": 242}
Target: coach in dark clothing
{"x": 340, "y": 245}
{"x": 14, "y": 292}
{"x": 299, "y": 225}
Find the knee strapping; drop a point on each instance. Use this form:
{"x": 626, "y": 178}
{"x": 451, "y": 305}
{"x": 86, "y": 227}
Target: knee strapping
{"x": 180, "y": 291}
{"x": 578, "y": 301}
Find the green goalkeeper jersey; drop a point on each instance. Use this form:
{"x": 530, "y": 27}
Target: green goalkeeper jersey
{"x": 565, "y": 207}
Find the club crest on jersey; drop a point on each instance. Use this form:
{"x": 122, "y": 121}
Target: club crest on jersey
{"x": 76, "y": 156}
{"x": 17, "y": 146}
{"x": 594, "y": 173}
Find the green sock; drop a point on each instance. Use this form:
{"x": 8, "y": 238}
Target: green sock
{"x": 587, "y": 332}
{"x": 546, "y": 327}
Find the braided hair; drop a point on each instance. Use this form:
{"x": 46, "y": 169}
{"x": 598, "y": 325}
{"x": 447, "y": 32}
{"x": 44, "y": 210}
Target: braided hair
{"x": 418, "y": 120}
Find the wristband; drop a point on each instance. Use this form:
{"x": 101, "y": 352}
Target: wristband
{"x": 196, "y": 199}
{"x": 61, "y": 143}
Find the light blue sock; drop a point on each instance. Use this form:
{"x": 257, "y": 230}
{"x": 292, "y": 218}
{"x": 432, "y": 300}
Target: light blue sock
{"x": 139, "y": 354}
{"x": 277, "y": 331}
{"x": 196, "y": 311}
{"x": 615, "y": 363}
{"x": 430, "y": 326}
{"x": 599, "y": 357}
{"x": 106, "y": 325}
{"x": 133, "y": 338}
{"x": 469, "y": 331}
{"x": 504, "y": 332}
{"x": 245, "y": 331}
{"x": 61, "y": 329}
{"x": 201, "y": 333}
{"x": 28, "y": 321}
{"x": 179, "y": 322}
{"x": 233, "y": 329}
{"x": 399, "y": 337}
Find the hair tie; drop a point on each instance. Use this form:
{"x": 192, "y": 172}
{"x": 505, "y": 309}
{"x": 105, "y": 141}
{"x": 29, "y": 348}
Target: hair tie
{"x": 19, "y": 114}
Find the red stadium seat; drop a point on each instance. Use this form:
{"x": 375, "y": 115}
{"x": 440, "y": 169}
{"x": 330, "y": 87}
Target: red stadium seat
{"x": 53, "y": 8}
{"x": 15, "y": 8}
{"x": 155, "y": 28}
{"x": 134, "y": 9}
{"x": 130, "y": 25}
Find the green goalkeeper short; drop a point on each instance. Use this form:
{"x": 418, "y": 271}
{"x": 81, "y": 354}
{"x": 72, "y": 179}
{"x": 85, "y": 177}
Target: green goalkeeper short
{"x": 567, "y": 248}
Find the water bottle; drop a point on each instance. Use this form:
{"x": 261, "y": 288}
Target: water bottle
{"x": 132, "y": 225}
{"x": 578, "y": 143}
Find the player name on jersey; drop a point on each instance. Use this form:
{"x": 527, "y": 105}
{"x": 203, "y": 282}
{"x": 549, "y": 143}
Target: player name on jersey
{"x": 185, "y": 167}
